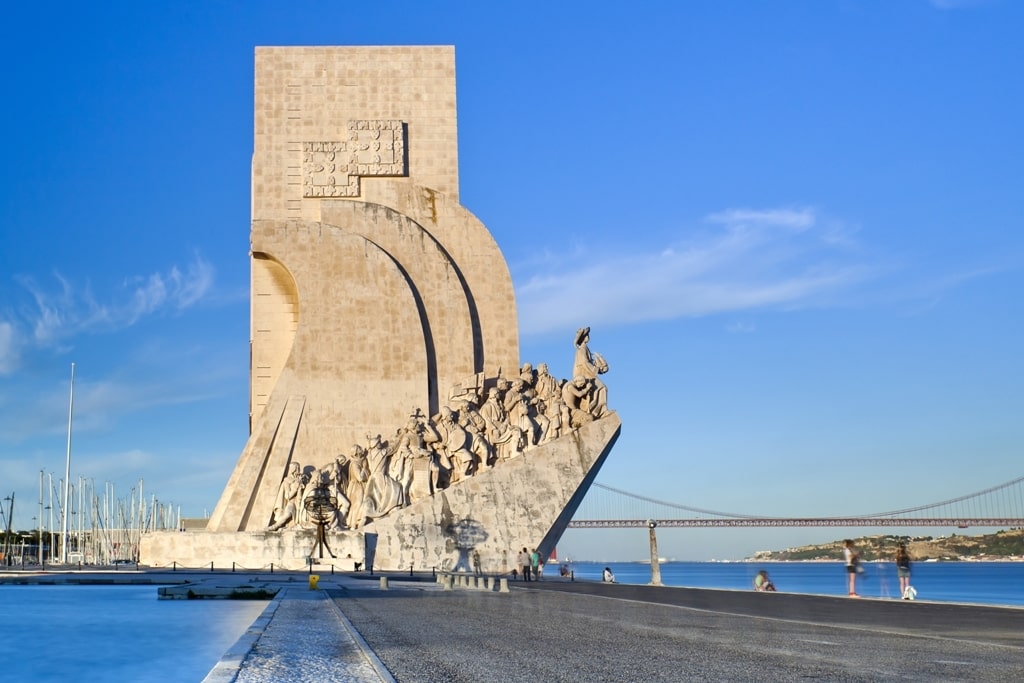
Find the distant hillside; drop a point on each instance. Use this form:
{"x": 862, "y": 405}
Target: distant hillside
{"x": 1002, "y": 545}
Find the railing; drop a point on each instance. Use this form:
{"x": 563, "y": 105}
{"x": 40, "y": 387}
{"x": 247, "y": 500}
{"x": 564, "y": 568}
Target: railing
{"x": 960, "y": 522}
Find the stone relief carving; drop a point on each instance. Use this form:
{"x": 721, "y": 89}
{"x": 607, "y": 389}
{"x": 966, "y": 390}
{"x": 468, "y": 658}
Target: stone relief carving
{"x": 429, "y": 454}
{"x": 286, "y": 509}
{"x": 373, "y": 148}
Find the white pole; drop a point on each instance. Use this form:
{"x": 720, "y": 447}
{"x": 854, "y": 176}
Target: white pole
{"x": 50, "y": 477}
{"x": 67, "y": 476}
{"x": 40, "y": 518}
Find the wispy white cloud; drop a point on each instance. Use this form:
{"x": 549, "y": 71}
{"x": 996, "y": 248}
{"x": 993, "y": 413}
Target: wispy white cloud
{"x": 747, "y": 260}
{"x": 798, "y": 219}
{"x": 102, "y": 405}
{"x": 66, "y": 310}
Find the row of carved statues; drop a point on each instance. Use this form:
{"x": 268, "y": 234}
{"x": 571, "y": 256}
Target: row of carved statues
{"x": 472, "y": 433}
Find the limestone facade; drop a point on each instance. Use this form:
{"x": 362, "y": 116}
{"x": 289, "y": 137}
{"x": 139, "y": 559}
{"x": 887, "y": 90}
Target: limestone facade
{"x": 375, "y": 297}
{"x": 373, "y": 290}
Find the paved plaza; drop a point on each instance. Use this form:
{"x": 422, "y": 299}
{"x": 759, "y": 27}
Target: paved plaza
{"x": 348, "y": 629}
{"x": 562, "y": 631}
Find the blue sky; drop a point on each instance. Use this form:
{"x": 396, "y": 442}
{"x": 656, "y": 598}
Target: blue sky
{"x": 795, "y": 229}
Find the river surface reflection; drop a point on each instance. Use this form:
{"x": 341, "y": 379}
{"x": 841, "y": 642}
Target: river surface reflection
{"x": 114, "y": 633}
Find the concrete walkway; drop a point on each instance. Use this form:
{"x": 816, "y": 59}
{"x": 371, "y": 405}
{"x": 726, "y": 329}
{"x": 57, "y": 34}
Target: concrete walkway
{"x": 301, "y": 636}
{"x": 352, "y": 630}
{"x": 560, "y": 631}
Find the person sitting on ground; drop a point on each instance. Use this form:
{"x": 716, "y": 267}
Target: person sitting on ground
{"x": 607, "y": 575}
{"x": 563, "y": 570}
{"x": 762, "y": 582}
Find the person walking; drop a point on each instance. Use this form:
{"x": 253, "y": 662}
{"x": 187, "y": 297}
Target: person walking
{"x": 524, "y": 564}
{"x": 535, "y": 564}
{"x": 903, "y": 570}
{"x": 851, "y": 556}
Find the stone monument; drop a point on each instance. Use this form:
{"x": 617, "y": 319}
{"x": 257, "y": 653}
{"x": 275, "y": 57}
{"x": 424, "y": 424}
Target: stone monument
{"x": 385, "y": 372}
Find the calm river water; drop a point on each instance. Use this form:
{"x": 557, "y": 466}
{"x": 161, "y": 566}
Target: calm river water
{"x": 114, "y": 633}
{"x": 987, "y": 583}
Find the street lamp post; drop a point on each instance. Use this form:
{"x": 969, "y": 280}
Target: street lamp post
{"x": 655, "y": 563}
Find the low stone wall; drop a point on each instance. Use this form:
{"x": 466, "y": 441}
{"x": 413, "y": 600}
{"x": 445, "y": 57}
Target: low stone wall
{"x": 288, "y": 549}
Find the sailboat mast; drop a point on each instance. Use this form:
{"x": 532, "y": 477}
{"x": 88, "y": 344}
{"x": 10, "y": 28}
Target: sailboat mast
{"x": 40, "y": 518}
{"x": 67, "y": 476}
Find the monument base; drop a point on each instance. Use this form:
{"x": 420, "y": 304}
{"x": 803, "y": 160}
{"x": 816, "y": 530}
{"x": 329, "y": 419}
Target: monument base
{"x": 252, "y": 550}
{"x": 526, "y": 501}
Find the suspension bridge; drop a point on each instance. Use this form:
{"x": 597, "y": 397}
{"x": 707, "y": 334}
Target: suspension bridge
{"x": 607, "y": 507}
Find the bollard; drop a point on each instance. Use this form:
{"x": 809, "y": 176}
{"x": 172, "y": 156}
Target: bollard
{"x": 211, "y": 566}
{"x": 490, "y": 583}
{"x": 232, "y": 566}
{"x": 383, "y": 583}
{"x": 504, "y": 586}
{"x": 446, "y": 581}
{"x": 174, "y": 566}
{"x": 314, "y": 579}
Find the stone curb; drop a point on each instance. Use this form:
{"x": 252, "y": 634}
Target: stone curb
{"x": 227, "y": 668}
{"x": 364, "y": 647}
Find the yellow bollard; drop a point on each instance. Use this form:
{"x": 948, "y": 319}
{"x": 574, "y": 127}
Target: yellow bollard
{"x": 314, "y": 579}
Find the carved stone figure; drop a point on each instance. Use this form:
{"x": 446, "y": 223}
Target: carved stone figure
{"x": 577, "y": 395}
{"x": 589, "y": 365}
{"x": 540, "y": 418}
{"x": 286, "y": 509}
{"x": 504, "y": 437}
{"x": 330, "y": 508}
{"x": 527, "y": 375}
{"x": 358, "y": 476}
{"x": 558, "y": 416}
{"x": 383, "y": 493}
{"x": 418, "y": 469}
{"x": 455, "y": 446}
{"x": 337, "y": 479}
{"x": 475, "y": 426}
{"x": 546, "y": 386}
{"x": 520, "y": 415}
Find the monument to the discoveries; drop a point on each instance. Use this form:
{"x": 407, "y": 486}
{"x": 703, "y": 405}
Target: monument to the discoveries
{"x": 391, "y": 421}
